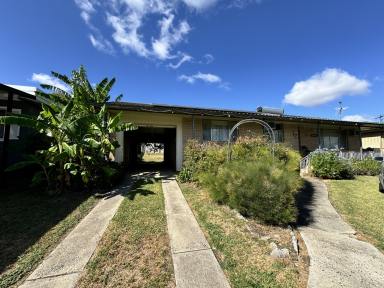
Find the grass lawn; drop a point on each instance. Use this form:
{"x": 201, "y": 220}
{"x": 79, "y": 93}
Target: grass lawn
{"x": 153, "y": 157}
{"x": 31, "y": 225}
{"x": 134, "y": 251}
{"x": 244, "y": 256}
{"x": 361, "y": 204}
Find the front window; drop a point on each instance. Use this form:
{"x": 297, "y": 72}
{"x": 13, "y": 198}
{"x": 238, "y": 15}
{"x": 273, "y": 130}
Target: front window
{"x": 216, "y": 130}
{"x": 277, "y": 131}
{"x": 14, "y": 129}
{"x": 332, "y": 139}
{"x": 2, "y": 113}
{"x": 330, "y": 142}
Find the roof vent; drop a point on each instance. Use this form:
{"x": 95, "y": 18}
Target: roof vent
{"x": 273, "y": 111}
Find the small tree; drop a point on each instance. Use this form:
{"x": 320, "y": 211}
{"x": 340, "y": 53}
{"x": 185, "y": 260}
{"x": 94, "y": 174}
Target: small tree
{"x": 80, "y": 129}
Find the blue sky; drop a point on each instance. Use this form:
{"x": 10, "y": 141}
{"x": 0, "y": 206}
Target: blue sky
{"x": 303, "y": 55}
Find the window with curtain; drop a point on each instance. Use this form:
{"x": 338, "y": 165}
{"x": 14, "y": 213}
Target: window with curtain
{"x": 216, "y": 130}
{"x": 2, "y": 113}
{"x": 277, "y": 130}
{"x": 332, "y": 139}
{"x": 14, "y": 131}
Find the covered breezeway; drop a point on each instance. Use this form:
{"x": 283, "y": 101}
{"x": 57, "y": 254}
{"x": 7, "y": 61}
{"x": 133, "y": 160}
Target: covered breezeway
{"x": 135, "y": 140}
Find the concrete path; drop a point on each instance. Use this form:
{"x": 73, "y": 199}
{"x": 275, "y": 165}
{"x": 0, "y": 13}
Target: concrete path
{"x": 194, "y": 263}
{"x": 62, "y": 268}
{"x": 338, "y": 259}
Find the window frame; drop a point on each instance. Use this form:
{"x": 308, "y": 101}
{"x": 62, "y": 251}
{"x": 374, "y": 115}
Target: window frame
{"x": 207, "y": 126}
{"x": 332, "y": 134}
{"x": 278, "y": 131}
{"x": 17, "y": 127}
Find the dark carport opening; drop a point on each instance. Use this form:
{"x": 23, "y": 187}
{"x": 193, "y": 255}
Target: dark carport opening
{"x": 150, "y": 148}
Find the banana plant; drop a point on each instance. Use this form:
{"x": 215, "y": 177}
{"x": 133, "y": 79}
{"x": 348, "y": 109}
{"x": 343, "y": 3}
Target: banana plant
{"x": 80, "y": 129}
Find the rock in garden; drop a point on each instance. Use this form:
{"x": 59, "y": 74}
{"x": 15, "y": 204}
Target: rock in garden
{"x": 273, "y": 246}
{"x": 280, "y": 253}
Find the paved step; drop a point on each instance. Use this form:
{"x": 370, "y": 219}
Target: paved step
{"x": 194, "y": 263}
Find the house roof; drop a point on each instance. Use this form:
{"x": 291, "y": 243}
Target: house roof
{"x": 26, "y": 92}
{"x": 237, "y": 114}
{"x": 27, "y": 89}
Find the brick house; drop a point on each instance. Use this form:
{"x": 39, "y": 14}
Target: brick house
{"x": 174, "y": 125}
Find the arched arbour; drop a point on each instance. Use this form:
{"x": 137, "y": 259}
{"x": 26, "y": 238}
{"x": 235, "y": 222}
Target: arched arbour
{"x": 258, "y": 121}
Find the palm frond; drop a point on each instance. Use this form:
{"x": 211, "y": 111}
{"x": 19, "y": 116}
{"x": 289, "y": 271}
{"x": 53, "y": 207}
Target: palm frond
{"x": 108, "y": 87}
{"x": 21, "y": 165}
{"x": 56, "y": 90}
{"x": 101, "y": 85}
{"x": 119, "y": 98}
{"x": 62, "y": 77}
{"x": 20, "y": 119}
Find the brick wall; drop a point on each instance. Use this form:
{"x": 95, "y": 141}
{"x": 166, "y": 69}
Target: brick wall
{"x": 188, "y": 129}
{"x": 291, "y": 136}
{"x": 354, "y": 143}
{"x": 309, "y": 137}
{"x": 308, "y": 134}
{"x": 250, "y": 129}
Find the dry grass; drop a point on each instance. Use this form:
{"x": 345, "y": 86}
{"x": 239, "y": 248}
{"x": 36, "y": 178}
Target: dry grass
{"x": 241, "y": 246}
{"x": 31, "y": 226}
{"x": 134, "y": 251}
{"x": 362, "y": 205}
{"x": 153, "y": 157}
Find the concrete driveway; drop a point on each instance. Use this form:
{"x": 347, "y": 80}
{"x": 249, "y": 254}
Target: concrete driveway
{"x": 338, "y": 259}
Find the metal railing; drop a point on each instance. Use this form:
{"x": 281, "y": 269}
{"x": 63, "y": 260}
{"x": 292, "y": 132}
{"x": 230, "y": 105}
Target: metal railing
{"x": 346, "y": 155}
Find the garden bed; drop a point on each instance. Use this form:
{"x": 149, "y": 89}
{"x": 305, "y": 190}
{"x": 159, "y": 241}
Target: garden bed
{"x": 242, "y": 246}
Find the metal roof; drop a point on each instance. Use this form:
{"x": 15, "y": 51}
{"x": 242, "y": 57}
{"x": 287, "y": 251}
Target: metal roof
{"x": 25, "y": 93}
{"x": 227, "y": 113}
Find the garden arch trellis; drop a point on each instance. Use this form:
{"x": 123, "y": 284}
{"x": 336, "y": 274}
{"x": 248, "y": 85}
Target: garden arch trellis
{"x": 258, "y": 121}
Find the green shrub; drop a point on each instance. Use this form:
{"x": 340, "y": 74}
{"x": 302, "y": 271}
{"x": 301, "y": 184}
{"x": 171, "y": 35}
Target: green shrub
{"x": 185, "y": 175}
{"x": 366, "y": 166}
{"x": 263, "y": 189}
{"x": 200, "y": 158}
{"x": 329, "y": 166}
{"x": 254, "y": 182}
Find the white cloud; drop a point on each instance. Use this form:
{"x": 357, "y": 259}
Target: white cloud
{"x": 243, "y": 3}
{"x": 169, "y": 36}
{"x": 211, "y": 78}
{"x": 200, "y": 4}
{"x": 208, "y": 58}
{"x": 128, "y": 18}
{"x": 87, "y": 8}
{"x": 132, "y": 28}
{"x": 183, "y": 59}
{"x": 324, "y": 87}
{"x": 126, "y": 33}
{"x": 47, "y": 79}
{"x": 205, "y": 77}
{"x": 101, "y": 44}
{"x": 357, "y": 118}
